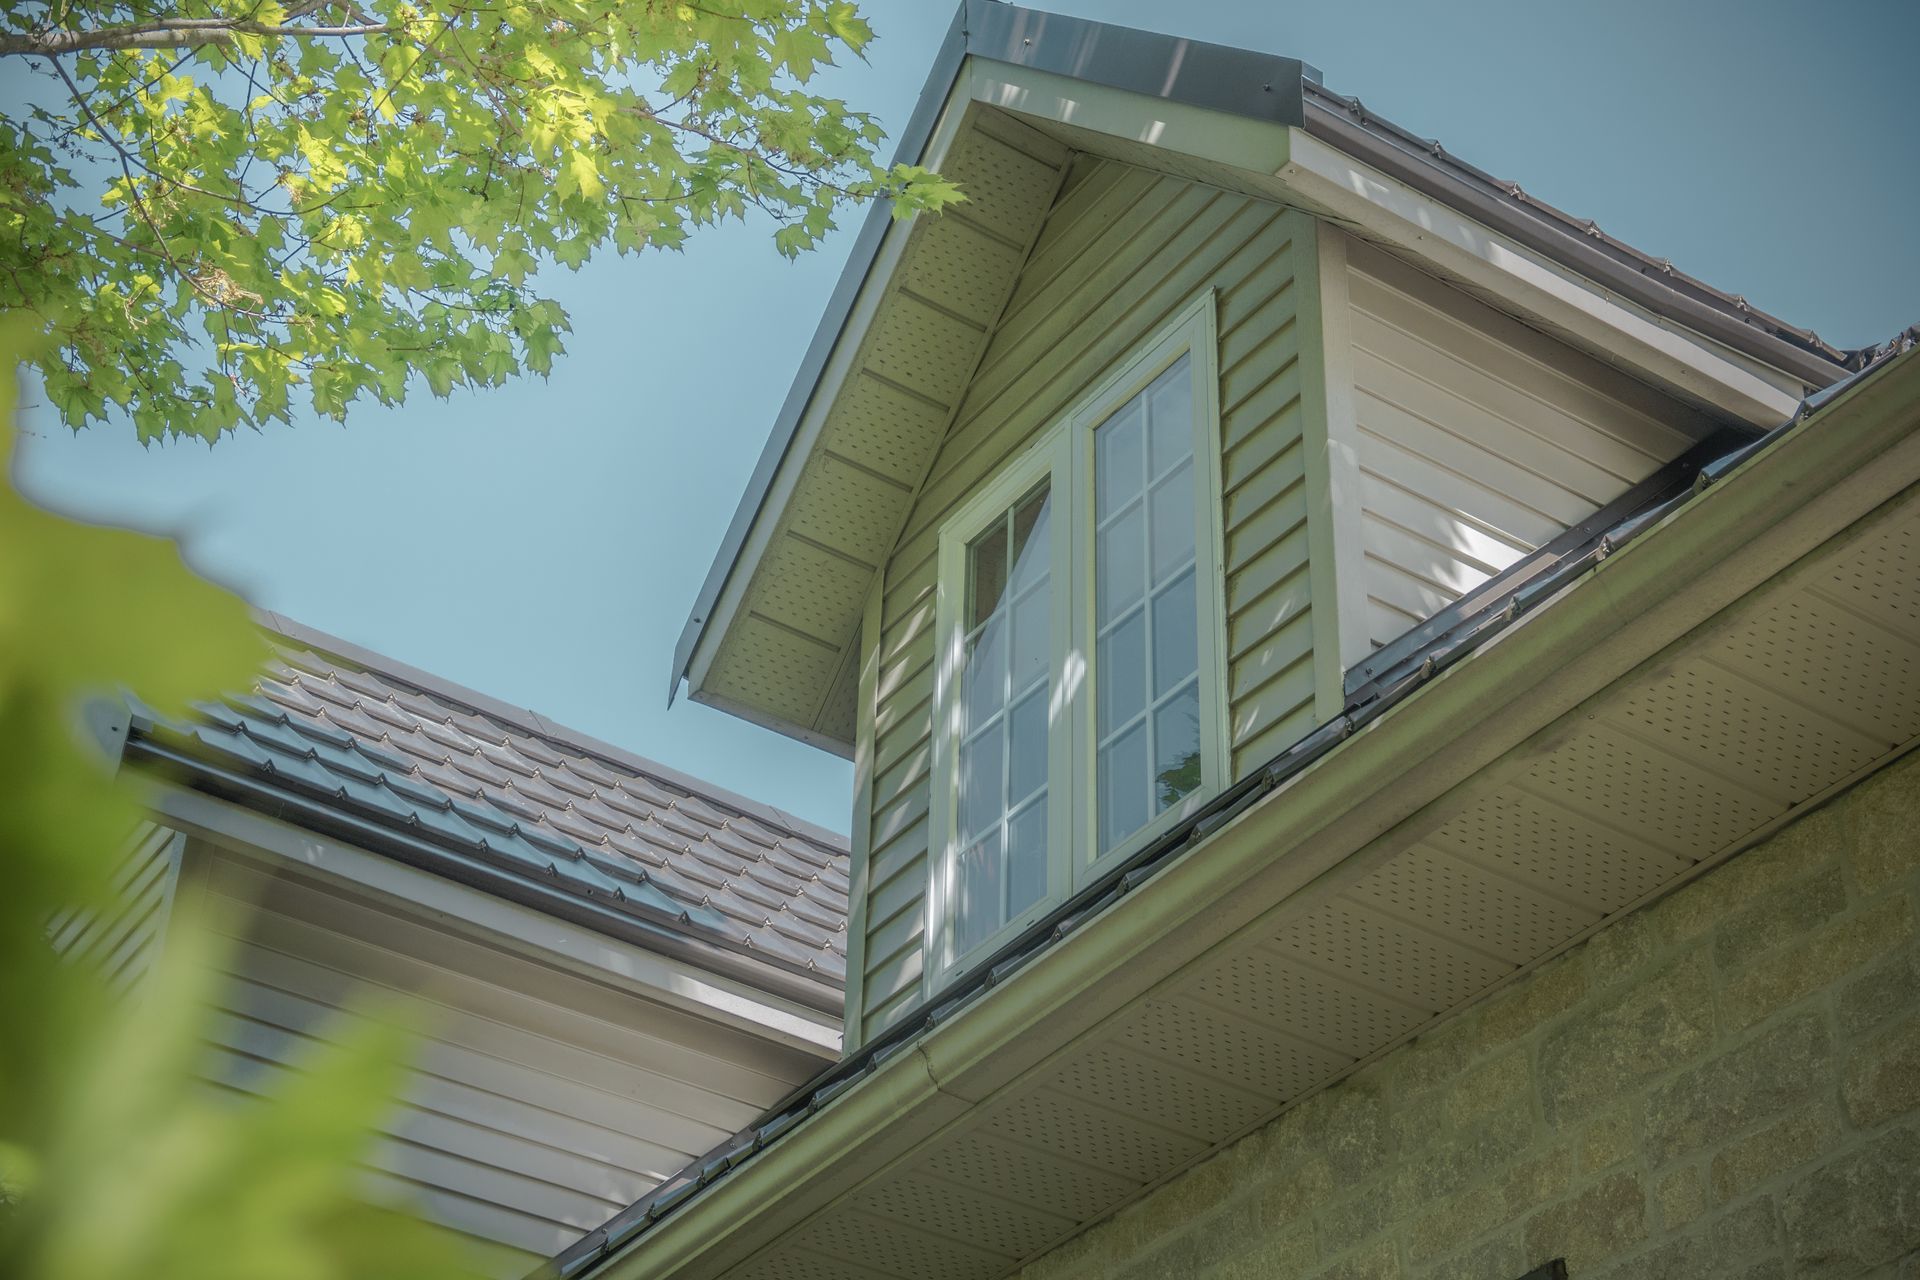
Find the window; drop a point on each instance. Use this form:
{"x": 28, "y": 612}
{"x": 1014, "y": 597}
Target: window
{"x": 1078, "y": 709}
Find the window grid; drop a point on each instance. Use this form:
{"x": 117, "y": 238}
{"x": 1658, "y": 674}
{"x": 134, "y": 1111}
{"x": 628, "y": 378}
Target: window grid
{"x": 1005, "y": 681}
{"x": 1146, "y": 625}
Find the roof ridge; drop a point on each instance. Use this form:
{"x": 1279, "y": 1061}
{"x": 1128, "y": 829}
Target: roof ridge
{"x": 529, "y": 721}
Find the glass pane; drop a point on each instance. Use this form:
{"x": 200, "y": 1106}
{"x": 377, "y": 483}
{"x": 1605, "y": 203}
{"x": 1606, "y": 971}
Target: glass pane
{"x": 981, "y": 802}
{"x": 1170, "y": 413}
{"x": 1032, "y": 650}
{"x": 1027, "y": 857}
{"x": 983, "y": 679}
{"x": 1027, "y": 763}
{"x": 1030, "y": 550}
{"x": 1120, "y": 673}
{"x": 1176, "y": 634}
{"x": 1176, "y": 747}
{"x": 1172, "y": 523}
{"x": 977, "y": 909}
{"x": 1124, "y": 795}
{"x": 1116, "y": 462}
{"x": 986, "y": 573}
{"x": 1119, "y": 557}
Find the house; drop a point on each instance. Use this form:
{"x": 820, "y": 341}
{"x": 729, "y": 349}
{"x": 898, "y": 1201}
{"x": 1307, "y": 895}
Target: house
{"x": 1379, "y": 711}
{"x": 613, "y": 966}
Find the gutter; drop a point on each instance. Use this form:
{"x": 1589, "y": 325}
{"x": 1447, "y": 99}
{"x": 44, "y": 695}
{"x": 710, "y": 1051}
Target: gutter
{"x": 1642, "y": 584}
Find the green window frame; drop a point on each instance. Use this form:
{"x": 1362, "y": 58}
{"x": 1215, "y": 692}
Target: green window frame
{"x": 1134, "y": 677}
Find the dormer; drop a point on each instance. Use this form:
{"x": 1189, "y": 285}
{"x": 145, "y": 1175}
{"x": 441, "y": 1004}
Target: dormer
{"x": 1216, "y": 403}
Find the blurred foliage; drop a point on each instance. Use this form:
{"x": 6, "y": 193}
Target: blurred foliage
{"x": 118, "y": 1162}
{"x": 224, "y": 208}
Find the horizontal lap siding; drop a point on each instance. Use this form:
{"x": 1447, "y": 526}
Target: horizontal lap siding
{"x": 121, "y": 941}
{"x": 535, "y": 1109}
{"x": 1478, "y": 439}
{"x": 1122, "y": 251}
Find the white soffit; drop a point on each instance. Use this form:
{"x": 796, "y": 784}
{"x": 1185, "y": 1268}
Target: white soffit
{"x": 787, "y": 656}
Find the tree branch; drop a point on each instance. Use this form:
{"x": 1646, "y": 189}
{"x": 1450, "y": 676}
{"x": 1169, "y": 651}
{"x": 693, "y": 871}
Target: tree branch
{"x": 173, "y": 33}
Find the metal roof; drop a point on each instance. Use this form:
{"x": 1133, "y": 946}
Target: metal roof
{"x": 1374, "y": 689}
{"x": 335, "y": 737}
{"x": 1281, "y": 90}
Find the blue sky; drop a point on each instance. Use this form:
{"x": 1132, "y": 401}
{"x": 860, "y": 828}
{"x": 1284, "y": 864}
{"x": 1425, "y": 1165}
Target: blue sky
{"x": 544, "y": 542}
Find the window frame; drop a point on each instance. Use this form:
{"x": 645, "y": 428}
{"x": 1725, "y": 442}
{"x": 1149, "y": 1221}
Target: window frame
{"x": 1063, "y": 453}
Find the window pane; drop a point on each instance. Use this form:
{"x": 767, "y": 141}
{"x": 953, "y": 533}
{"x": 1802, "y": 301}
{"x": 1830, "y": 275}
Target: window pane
{"x": 1027, "y": 754}
{"x": 984, "y": 677}
{"x": 1032, "y": 633}
{"x": 1123, "y": 786}
{"x": 981, "y": 802}
{"x": 978, "y": 897}
{"x": 1176, "y": 747}
{"x": 1171, "y": 506}
{"x": 1030, "y": 549}
{"x": 1116, "y": 464}
{"x": 1121, "y": 566}
{"x": 1170, "y": 414}
{"x": 1027, "y": 857}
{"x": 986, "y": 573}
{"x": 1120, "y": 673}
{"x": 1176, "y": 634}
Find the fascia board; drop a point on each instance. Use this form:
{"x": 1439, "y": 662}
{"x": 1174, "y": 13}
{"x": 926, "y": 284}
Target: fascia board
{"x": 1331, "y": 182}
{"x": 856, "y": 295}
{"x": 509, "y": 926}
{"x": 1339, "y": 817}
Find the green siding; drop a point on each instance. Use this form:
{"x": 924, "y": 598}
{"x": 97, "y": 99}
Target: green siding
{"x": 1122, "y": 251}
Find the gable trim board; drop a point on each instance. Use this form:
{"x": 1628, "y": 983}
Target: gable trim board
{"x": 1821, "y": 486}
{"x": 1014, "y": 64}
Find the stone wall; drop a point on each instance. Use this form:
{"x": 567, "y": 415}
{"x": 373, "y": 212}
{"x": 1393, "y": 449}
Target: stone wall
{"x": 1726, "y": 1083}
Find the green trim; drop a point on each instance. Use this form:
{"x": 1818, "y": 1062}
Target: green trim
{"x": 860, "y": 868}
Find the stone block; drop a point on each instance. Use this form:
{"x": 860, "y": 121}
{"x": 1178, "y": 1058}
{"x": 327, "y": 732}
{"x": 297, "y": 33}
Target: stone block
{"x": 1885, "y": 990}
{"x": 1796, "y": 1138}
{"x": 1690, "y": 1255}
{"x": 1886, "y": 826}
{"x": 1882, "y": 1078}
{"x": 1503, "y": 1256}
{"x": 1534, "y": 1181}
{"x": 1609, "y": 1138}
{"x": 1682, "y": 1197}
{"x": 1436, "y": 1057}
{"x": 1818, "y": 961}
{"x": 1736, "y": 1088}
{"x": 1747, "y": 1231}
{"x": 1859, "y": 1210}
{"x": 1289, "y": 1252}
{"x": 1377, "y": 1261}
{"x": 1348, "y": 1128}
{"x": 1595, "y": 1225}
{"x": 1356, "y": 1217}
{"x": 1463, "y": 1160}
{"x": 1503, "y": 1084}
{"x": 1625, "y": 948}
{"x": 1602, "y": 1053}
{"x": 1778, "y": 916}
{"x": 1448, "y": 1224}
{"x": 1534, "y": 1001}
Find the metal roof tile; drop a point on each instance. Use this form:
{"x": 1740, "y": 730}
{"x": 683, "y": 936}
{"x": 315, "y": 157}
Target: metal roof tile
{"x": 507, "y": 758}
{"x": 345, "y": 760}
{"x": 545, "y": 837}
{"x": 327, "y": 691}
{"x": 591, "y": 810}
{"x": 353, "y": 720}
{"x": 678, "y": 822}
{"x": 380, "y": 754}
{"x": 479, "y": 767}
{"x": 480, "y": 728}
{"x": 417, "y": 791}
{"x": 449, "y": 735}
{"x": 289, "y": 695}
{"x": 578, "y": 828}
{"x": 634, "y": 847}
{"x": 700, "y": 811}
{"x": 595, "y": 772}
{"x": 563, "y": 777}
{"x": 361, "y": 682}
{"x": 420, "y": 746}
{"x": 646, "y": 791}
{"x": 517, "y": 805}
{"x": 536, "y": 750}
{"x": 542, "y": 792}
{"x": 726, "y": 901}
{"x": 448, "y": 779}
{"x": 753, "y": 891}
{"x": 812, "y": 912}
{"x": 753, "y": 831}
{"x": 627, "y": 804}
{"x": 487, "y": 820}
{"x": 388, "y": 712}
